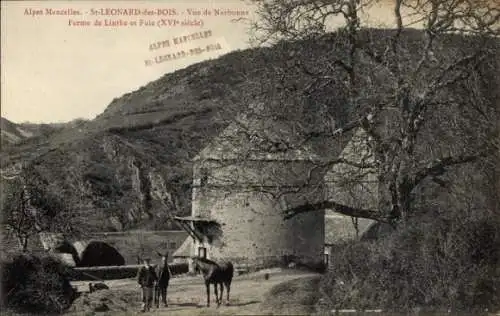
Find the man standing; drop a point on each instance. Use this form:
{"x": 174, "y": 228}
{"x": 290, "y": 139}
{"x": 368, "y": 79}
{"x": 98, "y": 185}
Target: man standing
{"x": 164, "y": 274}
{"x": 147, "y": 280}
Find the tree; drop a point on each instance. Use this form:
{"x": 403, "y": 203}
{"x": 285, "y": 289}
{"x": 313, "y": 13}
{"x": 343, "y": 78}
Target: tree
{"x": 424, "y": 102}
{"x": 29, "y": 208}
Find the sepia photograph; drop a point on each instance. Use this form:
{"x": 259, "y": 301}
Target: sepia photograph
{"x": 250, "y": 157}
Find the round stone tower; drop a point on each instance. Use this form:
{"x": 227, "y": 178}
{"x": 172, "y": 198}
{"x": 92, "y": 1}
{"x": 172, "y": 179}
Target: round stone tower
{"x": 242, "y": 183}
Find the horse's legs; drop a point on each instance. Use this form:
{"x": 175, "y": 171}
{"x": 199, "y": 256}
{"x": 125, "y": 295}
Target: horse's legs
{"x": 228, "y": 288}
{"x": 157, "y": 296}
{"x": 221, "y": 292}
{"x": 208, "y": 293}
{"x": 216, "y": 294}
{"x": 165, "y": 293}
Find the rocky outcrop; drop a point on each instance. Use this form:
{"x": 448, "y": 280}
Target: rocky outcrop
{"x": 158, "y": 189}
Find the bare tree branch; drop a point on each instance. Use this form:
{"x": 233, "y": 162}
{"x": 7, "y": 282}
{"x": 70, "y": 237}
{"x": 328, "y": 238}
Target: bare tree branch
{"x": 398, "y": 87}
{"x": 342, "y": 209}
{"x": 438, "y": 166}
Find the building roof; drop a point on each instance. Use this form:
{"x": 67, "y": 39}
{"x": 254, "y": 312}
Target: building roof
{"x": 339, "y": 228}
{"x": 251, "y": 137}
{"x": 185, "y": 249}
{"x": 355, "y": 182}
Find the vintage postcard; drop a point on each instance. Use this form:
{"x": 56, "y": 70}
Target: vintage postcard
{"x": 253, "y": 157}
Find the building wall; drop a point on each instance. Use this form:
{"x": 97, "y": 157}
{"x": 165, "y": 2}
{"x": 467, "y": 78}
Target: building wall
{"x": 251, "y": 218}
{"x": 352, "y": 185}
{"x": 340, "y": 228}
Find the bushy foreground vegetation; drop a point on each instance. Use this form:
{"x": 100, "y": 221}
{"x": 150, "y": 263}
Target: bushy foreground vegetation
{"x": 37, "y": 285}
{"x": 438, "y": 262}
{"x": 298, "y": 296}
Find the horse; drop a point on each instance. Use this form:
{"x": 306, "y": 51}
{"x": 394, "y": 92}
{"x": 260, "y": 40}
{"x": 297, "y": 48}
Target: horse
{"x": 164, "y": 275}
{"x": 216, "y": 274}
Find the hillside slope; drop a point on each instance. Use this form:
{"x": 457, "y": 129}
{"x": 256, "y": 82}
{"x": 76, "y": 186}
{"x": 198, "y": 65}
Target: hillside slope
{"x": 17, "y": 134}
{"x": 146, "y": 139}
{"x": 12, "y": 133}
{"x": 141, "y": 146}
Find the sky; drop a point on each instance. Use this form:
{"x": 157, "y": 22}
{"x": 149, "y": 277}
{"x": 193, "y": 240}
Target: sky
{"x": 56, "y": 70}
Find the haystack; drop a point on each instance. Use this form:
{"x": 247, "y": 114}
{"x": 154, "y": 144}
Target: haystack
{"x": 98, "y": 253}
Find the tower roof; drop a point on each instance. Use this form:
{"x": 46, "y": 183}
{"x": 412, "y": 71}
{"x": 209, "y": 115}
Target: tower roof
{"x": 256, "y": 138}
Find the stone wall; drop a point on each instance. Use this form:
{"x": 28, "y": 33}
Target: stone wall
{"x": 247, "y": 199}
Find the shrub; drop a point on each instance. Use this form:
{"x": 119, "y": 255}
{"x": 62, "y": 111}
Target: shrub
{"x": 294, "y": 297}
{"x": 434, "y": 262}
{"x": 36, "y": 285}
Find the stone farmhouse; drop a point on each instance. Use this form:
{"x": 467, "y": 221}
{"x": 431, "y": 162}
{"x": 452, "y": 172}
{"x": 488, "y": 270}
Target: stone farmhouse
{"x": 242, "y": 183}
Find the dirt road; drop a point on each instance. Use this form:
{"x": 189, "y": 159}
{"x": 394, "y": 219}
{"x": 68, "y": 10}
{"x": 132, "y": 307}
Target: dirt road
{"x": 187, "y": 295}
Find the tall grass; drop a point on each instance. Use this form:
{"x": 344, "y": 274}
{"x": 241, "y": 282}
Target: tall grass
{"x": 436, "y": 263}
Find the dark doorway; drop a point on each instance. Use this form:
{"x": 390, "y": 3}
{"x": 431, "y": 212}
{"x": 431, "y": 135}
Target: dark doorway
{"x": 202, "y": 252}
